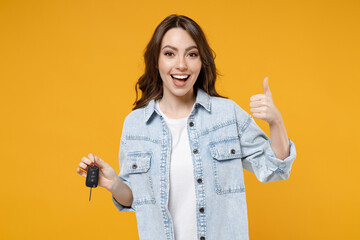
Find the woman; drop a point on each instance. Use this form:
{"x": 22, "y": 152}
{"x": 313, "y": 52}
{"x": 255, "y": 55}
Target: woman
{"x": 183, "y": 147}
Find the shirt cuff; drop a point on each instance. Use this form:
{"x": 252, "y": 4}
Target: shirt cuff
{"x": 120, "y": 207}
{"x": 282, "y": 167}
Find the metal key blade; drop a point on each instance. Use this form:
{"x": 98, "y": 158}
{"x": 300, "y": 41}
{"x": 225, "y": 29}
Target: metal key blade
{"x": 90, "y": 194}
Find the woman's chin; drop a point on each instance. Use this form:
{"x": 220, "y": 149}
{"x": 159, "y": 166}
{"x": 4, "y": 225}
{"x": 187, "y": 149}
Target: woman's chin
{"x": 184, "y": 92}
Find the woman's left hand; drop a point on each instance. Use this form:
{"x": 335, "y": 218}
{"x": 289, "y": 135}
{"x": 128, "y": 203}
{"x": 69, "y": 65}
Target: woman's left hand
{"x": 262, "y": 105}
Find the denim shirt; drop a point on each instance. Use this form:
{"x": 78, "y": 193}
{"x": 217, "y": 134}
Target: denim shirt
{"x": 224, "y": 139}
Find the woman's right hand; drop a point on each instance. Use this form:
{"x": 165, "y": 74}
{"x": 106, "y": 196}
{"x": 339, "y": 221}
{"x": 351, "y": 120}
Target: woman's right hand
{"x": 107, "y": 175}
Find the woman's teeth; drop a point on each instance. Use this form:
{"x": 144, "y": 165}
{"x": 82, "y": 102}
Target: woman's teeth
{"x": 180, "y": 77}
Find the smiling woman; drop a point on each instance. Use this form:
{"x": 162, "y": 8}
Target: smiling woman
{"x": 179, "y": 68}
{"x": 183, "y": 147}
{"x": 165, "y": 41}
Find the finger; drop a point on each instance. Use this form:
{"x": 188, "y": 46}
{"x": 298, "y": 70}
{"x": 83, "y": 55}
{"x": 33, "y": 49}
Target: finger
{"x": 86, "y": 161}
{"x": 91, "y": 157}
{"x": 83, "y": 166}
{"x": 257, "y": 104}
{"x": 266, "y": 86}
{"x": 257, "y": 110}
{"x": 257, "y": 97}
{"x": 259, "y": 115}
{"x": 101, "y": 163}
{"x": 98, "y": 161}
{"x": 80, "y": 172}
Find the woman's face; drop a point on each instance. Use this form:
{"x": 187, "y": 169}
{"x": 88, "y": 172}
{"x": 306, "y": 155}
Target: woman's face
{"x": 179, "y": 63}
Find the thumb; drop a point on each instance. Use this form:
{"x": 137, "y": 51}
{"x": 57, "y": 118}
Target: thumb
{"x": 99, "y": 162}
{"x": 266, "y": 86}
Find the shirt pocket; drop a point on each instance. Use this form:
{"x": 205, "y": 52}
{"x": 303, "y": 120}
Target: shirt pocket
{"x": 139, "y": 169}
{"x": 227, "y": 166}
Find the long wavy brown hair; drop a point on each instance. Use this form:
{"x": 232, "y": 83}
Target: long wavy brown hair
{"x": 150, "y": 83}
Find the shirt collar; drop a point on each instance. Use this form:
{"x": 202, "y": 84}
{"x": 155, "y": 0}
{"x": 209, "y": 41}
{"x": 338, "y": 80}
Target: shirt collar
{"x": 202, "y": 99}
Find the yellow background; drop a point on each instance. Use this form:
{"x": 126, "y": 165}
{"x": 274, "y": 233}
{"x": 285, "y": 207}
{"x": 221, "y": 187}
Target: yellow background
{"x": 67, "y": 72}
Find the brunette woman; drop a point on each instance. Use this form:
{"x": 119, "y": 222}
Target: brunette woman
{"x": 183, "y": 147}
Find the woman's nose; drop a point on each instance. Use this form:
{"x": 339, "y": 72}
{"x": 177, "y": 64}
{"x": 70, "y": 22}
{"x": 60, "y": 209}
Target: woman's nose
{"x": 181, "y": 64}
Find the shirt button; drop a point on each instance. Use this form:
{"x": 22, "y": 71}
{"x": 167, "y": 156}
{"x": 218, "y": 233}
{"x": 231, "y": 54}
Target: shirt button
{"x": 195, "y": 151}
{"x": 201, "y": 210}
{"x": 191, "y": 124}
{"x": 199, "y": 180}
{"x": 134, "y": 166}
{"x": 232, "y": 151}
{"x": 202, "y": 238}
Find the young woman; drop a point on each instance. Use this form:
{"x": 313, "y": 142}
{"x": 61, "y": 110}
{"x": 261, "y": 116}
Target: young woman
{"x": 183, "y": 147}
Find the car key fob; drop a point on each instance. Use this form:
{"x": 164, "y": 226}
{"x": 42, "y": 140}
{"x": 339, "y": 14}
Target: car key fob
{"x": 92, "y": 176}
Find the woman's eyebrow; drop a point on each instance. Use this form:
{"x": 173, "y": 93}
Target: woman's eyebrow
{"x": 175, "y": 49}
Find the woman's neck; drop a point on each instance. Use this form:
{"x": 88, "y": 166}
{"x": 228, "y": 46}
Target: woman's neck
{"x": 177, "y": 107}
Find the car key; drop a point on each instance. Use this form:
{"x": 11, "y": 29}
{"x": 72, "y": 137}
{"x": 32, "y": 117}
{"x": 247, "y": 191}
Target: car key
{"x": 92, "y": 178}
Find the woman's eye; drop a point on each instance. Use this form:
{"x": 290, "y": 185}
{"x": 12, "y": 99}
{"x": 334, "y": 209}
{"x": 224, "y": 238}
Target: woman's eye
{"x": 193, "y": 54}
{"x": 168, "y": 54}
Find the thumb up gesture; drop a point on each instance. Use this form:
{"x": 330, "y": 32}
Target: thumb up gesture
{"x": 262, "y": 105}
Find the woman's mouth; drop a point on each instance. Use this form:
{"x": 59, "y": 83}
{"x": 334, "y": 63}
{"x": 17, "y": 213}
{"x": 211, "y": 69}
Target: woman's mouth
{"x": 179, "y": 80}
{"x": 180, "y": 77}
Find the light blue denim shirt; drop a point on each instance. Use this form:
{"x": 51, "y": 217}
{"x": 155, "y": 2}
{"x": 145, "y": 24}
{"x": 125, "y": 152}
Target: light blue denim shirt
{"x": 223, "y": 139}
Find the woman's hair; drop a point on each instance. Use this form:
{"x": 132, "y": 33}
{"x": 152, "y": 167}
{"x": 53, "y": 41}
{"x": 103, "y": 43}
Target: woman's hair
{"x": 150, "y": 83}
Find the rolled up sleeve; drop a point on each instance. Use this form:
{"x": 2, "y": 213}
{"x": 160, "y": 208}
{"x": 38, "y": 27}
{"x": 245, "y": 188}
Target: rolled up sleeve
{"x": 124, "y": 176}
{"x": 258, "y": 156}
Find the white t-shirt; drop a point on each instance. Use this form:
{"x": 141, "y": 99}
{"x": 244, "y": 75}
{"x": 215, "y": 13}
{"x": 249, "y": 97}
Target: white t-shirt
{"x": 182, "y": 204}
